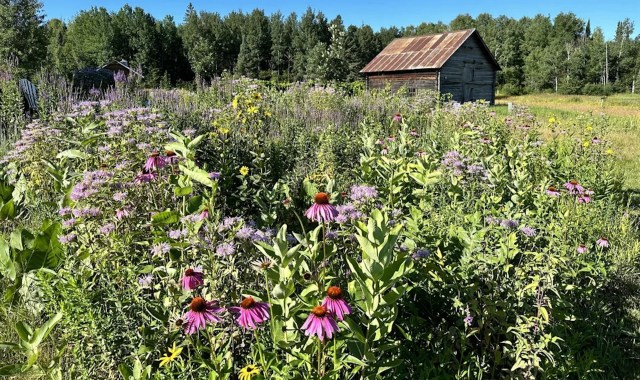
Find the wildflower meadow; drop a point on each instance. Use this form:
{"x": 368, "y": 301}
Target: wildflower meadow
{"x": 246, "y": 230}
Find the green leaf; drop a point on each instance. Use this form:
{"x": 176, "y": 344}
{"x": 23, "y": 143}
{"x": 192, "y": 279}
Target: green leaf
{"x": 7, "y": 266}
{"x": 72, "y": 153}
{"x": 125, "y": 371}
{"x": 43, "y": 331}
{"x": 11, "y": 370}
{"x": 165, "y": 217}
{"x": 24, "y": 331}
{"x": 182, "y": 191}
{"x": 8, "y": 211}
{"x": 198, "y": 175}
{"x": 195, "y": 142}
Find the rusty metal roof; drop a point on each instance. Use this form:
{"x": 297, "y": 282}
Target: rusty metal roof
{"x": 421, "y": 52}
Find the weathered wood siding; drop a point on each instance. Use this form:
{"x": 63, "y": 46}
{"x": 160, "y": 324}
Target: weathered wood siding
{"x": 469, "y": 74}
{"x": 411, "y": 80}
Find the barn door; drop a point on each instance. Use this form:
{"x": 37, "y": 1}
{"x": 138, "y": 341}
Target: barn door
{"x": 468, "y": 81}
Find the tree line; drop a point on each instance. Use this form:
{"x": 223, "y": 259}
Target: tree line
{"x": 536, "y": 53}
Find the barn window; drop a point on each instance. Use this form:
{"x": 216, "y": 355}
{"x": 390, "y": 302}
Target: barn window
{"x": 412, "y": 91}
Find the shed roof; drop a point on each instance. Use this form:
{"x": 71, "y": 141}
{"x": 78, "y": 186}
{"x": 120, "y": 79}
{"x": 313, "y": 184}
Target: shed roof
{"x": 422, "y": 52}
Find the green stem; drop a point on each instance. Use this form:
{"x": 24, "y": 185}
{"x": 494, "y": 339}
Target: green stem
{"x": 262, "y": 362}
{"x": 266, "y": 284}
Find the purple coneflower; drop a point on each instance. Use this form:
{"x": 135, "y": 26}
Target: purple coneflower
{"x": 204, "y": 214}
{"x": 574, "y": 187}
{"x": 193, "y": 277}
{"x": 251, "y": 313}
{"x": 122, "y": 213}
{"x": 200, "y": 314}
{"x": 603, "y": 242}
{"x": 154, "y": 162}
{"x": 321, "y": 211}
{"x": 596, "y": 140}
{"x": 552, "y": 191}
{"x": 320, "y": 322}
{"x": 581, "y": 248}
{"x": 145, "y": 176}
{"x": 584, "y": 199}
{"x": 335, "y": 303}
{"x": 397, "y": 118}
{"x": 171, "y": 157}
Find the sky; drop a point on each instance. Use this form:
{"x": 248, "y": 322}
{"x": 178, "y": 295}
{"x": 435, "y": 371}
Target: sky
{"x": 378, "y": 13}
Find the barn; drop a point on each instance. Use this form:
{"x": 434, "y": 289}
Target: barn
{"x": 458, "y": 63}
{"x": 121, "y": 66}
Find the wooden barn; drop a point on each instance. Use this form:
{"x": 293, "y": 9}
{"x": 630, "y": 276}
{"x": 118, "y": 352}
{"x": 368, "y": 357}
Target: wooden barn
{"x": 121, "y": 66}
{"x": 458, "y": 63}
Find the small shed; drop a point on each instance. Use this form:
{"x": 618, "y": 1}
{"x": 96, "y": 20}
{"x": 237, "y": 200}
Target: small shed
{"x": 121, "y": 66}
{"x": 458, "y": 63}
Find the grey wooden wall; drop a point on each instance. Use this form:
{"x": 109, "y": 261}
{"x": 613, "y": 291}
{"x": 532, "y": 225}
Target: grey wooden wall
{"x": 469, "y": 74}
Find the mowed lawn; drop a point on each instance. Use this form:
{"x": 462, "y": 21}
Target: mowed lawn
{"x": 623, "y": 111}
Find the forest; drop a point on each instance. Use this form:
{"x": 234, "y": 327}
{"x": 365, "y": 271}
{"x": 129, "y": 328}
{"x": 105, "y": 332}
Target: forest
{"x": 564, "y": 53}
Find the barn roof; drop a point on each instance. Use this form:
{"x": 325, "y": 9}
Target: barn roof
{"x": 422, "y": 52}
{"x": 122, "y": 63}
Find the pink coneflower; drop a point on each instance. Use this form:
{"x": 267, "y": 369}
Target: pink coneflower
{"x": 154, "y": 162}
{"x": 582, "y": 248}
{"x": 171, "y": 157}
{"x": 204, "y": 214}
{"x": 193, "y": 277}
{"x": 251, "y": 313}
{"x": 397, "y": 118}
{"x": 321, "y": 211}
{"x": 584, "y": 199}
{"x": 596, "y": 140}
{"x": 413, "y": 133}
{"x": 320, "y": 322}
{"x": 603, "y": 242}
{"x": 574, "y": 187}
{"x": 200, "y": 314}
{"x": 122, "y": 213}
{"x": 335, "y": 303}
{"x": 145, "y": 176}
{"x": 485, "y": 140}
{"x": 552, "y": 191}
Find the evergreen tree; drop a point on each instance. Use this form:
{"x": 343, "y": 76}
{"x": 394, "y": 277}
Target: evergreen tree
{"x": 255, "y": 49}
{"x": 56, "y": 35}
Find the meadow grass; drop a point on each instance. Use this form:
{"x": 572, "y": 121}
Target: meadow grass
{"x": 622, "y": 110}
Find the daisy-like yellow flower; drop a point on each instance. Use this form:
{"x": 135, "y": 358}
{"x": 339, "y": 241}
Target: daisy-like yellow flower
{"x": 223, "y": 130}
{"x": 252, "y": 110}
{"x": 267, "y": 113}
{"x": 244, "y": 171}
{"x": 234, "y": 103}
{"x": 552, "y": 120}
{"x": 175, "y": 354}
{"x": 589, "y": 128}
{"x": 586, "y": 144}
{"x": 248, "y": 372}
{"x": 609, "y": 151}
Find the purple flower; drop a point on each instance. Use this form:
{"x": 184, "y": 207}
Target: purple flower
{"x": 66, "y": 239}
{"x": 574, "y": 187}
{"x": 584, "y": 199}
{"x": 331, "y": 235}
{"x": 120, "y": 196}
{"x": 145, "y": 176}
{"x": 363, "y": 193}
{"x": 177, "y": 234}
{"x": 397, "y": 118}
{"x": 421, "y": 254}
{"x": 154, "y": 162}
{"x": 229, "y": 223}
{"x": 146, "y": 280}
{"x": 245, "y": 233}
{"x": 552, "y": 191}
{"x": 603, "y": 242}
{"x": 160, "y": 249}
{"x": 468, "y": 320}
{"x": 251, "y": 313}
{"x": 509, "y": 223}
{"x": 335, "y": 303}
{"x": 321, "y": 211}
{"x": 200, "y": 314}
{"x": 320, "y": 322}
{"x": 192, "y": 278}
{"x": 225, "y": 249}
{"x": 107, "y": 229}
{"x": 581, "y": 248}
{"x": 64, "y": 211}
{"x": 122, "y": 213}
{"x": 214, "y": 175}
{"x": 69, "y": 223}
{"x": 528, "y": 231}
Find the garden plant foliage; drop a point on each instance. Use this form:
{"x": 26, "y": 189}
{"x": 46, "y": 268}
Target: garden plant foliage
{"x": 243, "y": 231}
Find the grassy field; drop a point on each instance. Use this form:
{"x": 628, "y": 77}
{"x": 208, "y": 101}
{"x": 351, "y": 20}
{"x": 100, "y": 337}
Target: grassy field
{"x": 623, "y": 111}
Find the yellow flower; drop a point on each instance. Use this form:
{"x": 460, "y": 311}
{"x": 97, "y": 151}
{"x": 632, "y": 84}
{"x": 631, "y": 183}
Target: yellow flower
{"x": 234, "y": 103}
{"x": 248, "y": 372}
{"x": 552, "y": 120}
{"x": 175, "y": 353}
{"x": 257, "y": 96}
{"x": 223, "y": 130}
{"x": 252, "y": 110}
{"x": 609, "y": 151}
{"x": 589, "y": 128}
{"x": 267, "y": 113}
{"x": 585, "y": 144}
{"x": 244, "y": 171}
